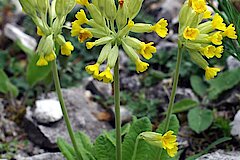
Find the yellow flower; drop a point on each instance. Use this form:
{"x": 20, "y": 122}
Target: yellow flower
{"x": 93, "y": 69}
{"x": 81, "y": 16}
{"x": 90, "y": 45}
{"x": 39, "y": 32}
{"x": 50, "y": 57}
{"x": 42, "y": 61}
{"x": 169, "y": 140}
{"x": 83, "y": 2}
{"x": 190, "y": 33}
{"x": 230, "y": 32}
{"x": 216, "y": 38}
{"x": 161, "y": 28}
{"x": 147, "y": 50}
{"x": 84, "y": 34}
{"x": 141, "y": 66}
{"x": 209, "y": 51}
{"x": 219, "y": 51}
{"x": 130, "y": 23}
{"x": 207, "y": 14}
{"x": 67, "y": 48}
{"x": 172, "y": 152}
{"x": 211, "y": 72}
{"x": 76, "y": 28}
{"x": 199, "y": 6}
{"x": 217, "y": 22}
{"x": 106, "y": 76}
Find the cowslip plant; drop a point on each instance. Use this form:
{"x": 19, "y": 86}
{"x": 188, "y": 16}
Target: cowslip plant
{"x": 49, "y": 18}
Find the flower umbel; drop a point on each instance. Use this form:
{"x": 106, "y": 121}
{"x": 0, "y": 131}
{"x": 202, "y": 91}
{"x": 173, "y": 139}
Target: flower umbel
{"x": 110, "y": 25}
{"x": 202, "y": 36}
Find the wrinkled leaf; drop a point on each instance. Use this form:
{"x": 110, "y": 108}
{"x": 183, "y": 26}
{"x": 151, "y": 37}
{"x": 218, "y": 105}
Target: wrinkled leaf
{"x": 198, "y": 85}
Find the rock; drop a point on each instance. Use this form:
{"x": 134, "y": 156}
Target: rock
{"x": 126, "y": 115}
{"x": 44, "y": 156}
{"x": 47, "y": 111}
{"x": 183, "y": 93}
{"x": 130, "y": 83}
{"x": 232, "y": 63}
{"x": 81, "y": 116}
{"x": 99, "y": 88}
{"x": 235, "y": 131}
{"x": 221, "y": 155}
{"x": 14, "y": 33}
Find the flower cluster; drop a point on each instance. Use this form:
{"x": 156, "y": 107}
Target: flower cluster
{"x": 168, "y": 141}
{"x": 202, "y": 34}
{"x": 111, "y": 25}
{"x": 49, "y": 18}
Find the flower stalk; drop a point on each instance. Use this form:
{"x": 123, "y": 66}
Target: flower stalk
{"x": 117, "y": 111}
{"x": 64, "y": 109}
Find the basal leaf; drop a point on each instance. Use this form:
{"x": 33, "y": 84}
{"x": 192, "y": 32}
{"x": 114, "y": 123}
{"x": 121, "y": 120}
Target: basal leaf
{"x": 173, "y": 125}
{"x": 198, "y": 85}
{"x": 66, "y": 149}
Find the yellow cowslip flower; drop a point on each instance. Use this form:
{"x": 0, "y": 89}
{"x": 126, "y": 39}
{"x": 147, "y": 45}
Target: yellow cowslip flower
{"x": 199, "y": 6}
{"x": 172, "y": 152}
{"x": 84, "y": 34}
{"x": 216, "y": 38}
{"x": 209, "y": 51}
{"x": 76, "y": 28}
{"x": 39, "y": 32}
{"x": 230, "y": 32}
{"x": 50, "y": 57}
{"x": 211, "y": 72}
{"x": 93, "y": 69}
{"x": 81, "y": 16}
{"x": 161, "y": 28}
{"x": 219, "y": 51}
{"x": 42, "y": 61}
{"x": 217, "y": 22}
{"x": 83, "y": 2}
{"x": 67, "y": 48}
{"x": 190, "y": 33}
{"x": 90, "y": 45}
{"x": 147, "y": 50}
{"x": 130, "y": 23}
{"x": 141, "y": 66}
{"x": 169, "y": 140}
{"x": 207, "y": 14}
{"x": 106, "y": 76}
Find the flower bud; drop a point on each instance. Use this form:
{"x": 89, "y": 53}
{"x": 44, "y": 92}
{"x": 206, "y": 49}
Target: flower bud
{"x": 63, "y": 7}
{"x": 134, "y": 7}
{"x": 121, "y": 18}
{"x": 103, "y": 40}
{"x": 95, "y": 14}
{"x": 101, "y": 6}
{"x": 110, "y": 9}
{"x": 152, "y": 138}
{"x": 28, "y": 7}
{"x": 141, "y": 28}
{"x": 43, "y": 5}
{"x": 198, "y": 59}
{"x": 48, "y": 45}
{"x": 130, "y": 52}
{"x": 60, "y": 40}
{"x": 134, "y": 42}
{"x": 113, "y": 56}
{"x": 104, "y": 53}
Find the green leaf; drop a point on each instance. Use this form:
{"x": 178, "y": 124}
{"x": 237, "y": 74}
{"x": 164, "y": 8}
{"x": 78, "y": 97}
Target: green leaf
{"x": 3, "y": 82}
{"x": 223, "y": 82}
{"x": 198, "y": 85}
{"x": 173, "y": 125}
{"x": 138, "y": 126}
{"x": 66, "y": 149}
{"x": 84, "y": 145}
{"x": 35, "y": 73}
{"x": 219, "y": 141}
{"x": 184, "y": 105}
{"x": 12, "y": 89}
{"x": 200, "y": 119}
{"x": 104, "y": 148}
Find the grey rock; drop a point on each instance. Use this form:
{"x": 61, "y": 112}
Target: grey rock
{"x": 126, "y": 115}
{"x": 44, "y": 156}
{"x": 47, "y": 111}
{"x": 131, "y": 83}
{"x": 232, "y": 63}
{"x": 221, "y": 155}
{"x": 183, "y": 93}
{"x": 80, "y": 112}
{"x": 14, "y": 33}
{"x": 235, "y": 131}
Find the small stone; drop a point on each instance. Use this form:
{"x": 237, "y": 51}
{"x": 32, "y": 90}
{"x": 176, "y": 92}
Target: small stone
{"x": 47, "y": 111}
{"x": 236, "y": 125}
{"x": 232, "y": 63}
{"x": 221, "y": 155}
{"x": 14, "y": 33}
{"x": 126, "y": 115}
{"x": 44, "y": 156}
{"x": 131, "y": 83}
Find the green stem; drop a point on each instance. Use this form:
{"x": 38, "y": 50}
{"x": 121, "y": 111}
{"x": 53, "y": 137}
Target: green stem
{"x": 173, "y": 93}
{"x": 117, "y": 111}
{"x": 135, "y": 148}
{"x": 64, "y": 109}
